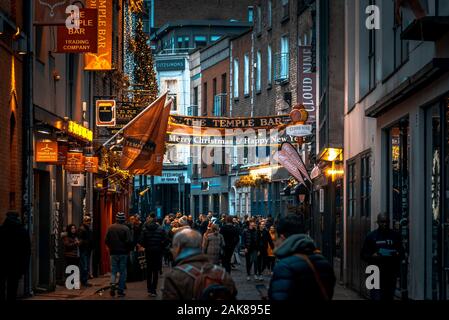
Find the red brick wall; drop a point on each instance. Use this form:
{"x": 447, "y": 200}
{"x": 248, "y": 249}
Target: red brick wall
{"x": 165, "y": 11}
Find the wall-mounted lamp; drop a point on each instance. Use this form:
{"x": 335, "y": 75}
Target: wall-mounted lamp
{"x": 20, "y": 43}
{"x": 56, "y": 75}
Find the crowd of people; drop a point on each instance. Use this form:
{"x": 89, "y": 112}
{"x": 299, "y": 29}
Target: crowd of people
{"x": 204, "y": 251}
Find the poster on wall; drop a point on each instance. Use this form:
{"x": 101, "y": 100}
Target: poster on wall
{"x": 80, "y": 40}
{"x": 102, "y": 60}
{"x": 75, "y": 179}
{"x": 53, "y": 12}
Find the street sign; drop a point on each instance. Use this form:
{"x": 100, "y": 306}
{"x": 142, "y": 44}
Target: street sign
{"x": 300, "y": 130}
{"x": 106, "y": 114}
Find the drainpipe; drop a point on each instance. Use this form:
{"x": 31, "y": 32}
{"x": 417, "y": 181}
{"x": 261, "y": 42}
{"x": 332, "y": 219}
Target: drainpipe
{"x": 27, "y": 147}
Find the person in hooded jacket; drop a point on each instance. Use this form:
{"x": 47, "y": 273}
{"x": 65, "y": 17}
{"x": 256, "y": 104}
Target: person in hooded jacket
{"x": 15, "y": 251}
{"x": 153, "y": 240}
{"x": 301, "y": 274}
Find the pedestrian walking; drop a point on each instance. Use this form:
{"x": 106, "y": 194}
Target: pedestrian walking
{"x": 119, "y": 241}
{"x": 231, "y": 238}
{"x": 213, "y": 245}
{"x": 271, "y": 258}
{"x": 85, "y": 249}
{"x": 301, "y": 274}
{"x": 383, "y": 248}
{"x": 263, "y": 242}
{"x": 193, "y": 276}
{"x": 251, "y": 249}
{"x": 15, "y": 251}
{"x": 71, "y": 246}
{"x": 153, "y": 240}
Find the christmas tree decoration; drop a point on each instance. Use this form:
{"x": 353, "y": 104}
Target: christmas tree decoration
{"x": 144, "y": 73}
{"x": 136, "y": 6}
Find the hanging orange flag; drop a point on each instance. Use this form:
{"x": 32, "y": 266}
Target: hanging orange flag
{"x": 137, "y": 142}
{"x": 153, "y": 166}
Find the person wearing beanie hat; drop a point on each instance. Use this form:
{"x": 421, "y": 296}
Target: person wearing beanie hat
{"x": 119, "y": 242}
{"x": 15, "y": 252}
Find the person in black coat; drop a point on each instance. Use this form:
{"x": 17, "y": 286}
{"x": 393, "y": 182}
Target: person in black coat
{"x": 383, "y": 248}
{"x": 85, "y": 248}
{"x": 15, "y": 251}
{"x": 251, "y": 249}
{"x": 263, "y": 241}
{"x": 154, "y": 240}
{"x": 231, "y": 237}
{"x": 301, "y": 274}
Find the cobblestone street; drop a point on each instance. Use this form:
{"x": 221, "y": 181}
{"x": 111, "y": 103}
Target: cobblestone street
{"x": 137, "y": 290}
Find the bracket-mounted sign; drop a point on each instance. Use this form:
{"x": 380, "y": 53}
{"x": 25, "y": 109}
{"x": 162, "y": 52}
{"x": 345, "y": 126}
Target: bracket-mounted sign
{"x": 105, "y": 113}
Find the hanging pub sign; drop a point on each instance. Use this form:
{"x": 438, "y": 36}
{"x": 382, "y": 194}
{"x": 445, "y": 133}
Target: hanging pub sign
{"x": 91, "y": 164}
{"x": 307, "y": 82}
{"x": 102, "y": 60}
{"x": 46, "y": 151}
{"x": 63, "y": 148}
{"x": 105, "y": 113}
{"x": 53, "y": 12}
{"x": 82, "y": 39}
{"x": 75, "y": 162}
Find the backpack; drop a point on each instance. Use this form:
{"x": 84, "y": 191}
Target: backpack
{"x": 208, "y": 283}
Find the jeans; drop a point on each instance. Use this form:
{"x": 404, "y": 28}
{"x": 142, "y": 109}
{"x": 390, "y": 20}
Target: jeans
{"x": 251, "y": 259}
{"x": 118, "y": 264}
{"x": 152, "y": 279}
{"x": 9, "y": 284}
{"x": 260, "y": 264}
{"x": 84, "y": 266}
{"x": 228, "y": 252}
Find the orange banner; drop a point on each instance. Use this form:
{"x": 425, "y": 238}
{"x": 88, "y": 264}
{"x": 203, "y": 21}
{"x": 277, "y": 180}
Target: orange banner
{"x": 137, "y": 143}
{"x": 75, "y": 162}
{"x": 46, "y": 151}
{"x": 102, "y": 60}
{"x": 91, "y": 164}
{"x": 153, "y": 166}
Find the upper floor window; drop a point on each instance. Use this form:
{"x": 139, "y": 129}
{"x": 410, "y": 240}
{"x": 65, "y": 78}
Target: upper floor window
{"x": 285, "y": 9}
{"x": 269, "y": 66}
{"x": 200, "y": 41}
{"x": 236, "y": 78}
{"x": 246, "y": 75}
{"x": 250, "y": 14}
{"x": 259, "y": 19}
{"x": 258, "y": 71}
{"x": 269, "y": 14}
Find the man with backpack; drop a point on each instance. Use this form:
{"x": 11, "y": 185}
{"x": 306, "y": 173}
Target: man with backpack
{"x": 301, "y": 274}
{"x": 193, "y": 277}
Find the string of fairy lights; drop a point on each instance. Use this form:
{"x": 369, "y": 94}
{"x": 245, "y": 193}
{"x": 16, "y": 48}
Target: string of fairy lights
{"x": 129, "y": 35}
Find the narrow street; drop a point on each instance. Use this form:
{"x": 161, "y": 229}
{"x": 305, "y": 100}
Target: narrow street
{"x": 137, "y": 290}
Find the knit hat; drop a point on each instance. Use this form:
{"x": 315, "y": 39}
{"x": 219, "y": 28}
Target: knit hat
{"x": 120, "y": 217}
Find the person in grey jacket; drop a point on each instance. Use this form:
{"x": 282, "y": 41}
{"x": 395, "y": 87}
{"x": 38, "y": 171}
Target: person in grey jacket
{"x": 119, "y": 242}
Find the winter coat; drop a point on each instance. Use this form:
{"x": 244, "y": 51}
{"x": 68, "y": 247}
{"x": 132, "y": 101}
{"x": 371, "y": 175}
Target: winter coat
{"x": 178, "y": 284}
{"x": 213, "y": 246}
{"x": 264, "y": 241}
{"x": 270, "y": 252}
{"x": 292, "y": 277}
{"x": 203, "y": 226}
{"x": 85, "y": 237}
{"x": 154, "y": 240}
{"x": 250, "y": 239}
{"x": 71, "y": 248}
{"x": 231, "y": 236}
{"x": 118, "y": 239}
{"x": 15, "y": 248}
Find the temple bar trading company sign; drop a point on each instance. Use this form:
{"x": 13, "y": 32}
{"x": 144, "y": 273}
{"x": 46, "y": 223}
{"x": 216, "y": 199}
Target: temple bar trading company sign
{"x": 82, "y": 39}
{"x": 231, "y": 123}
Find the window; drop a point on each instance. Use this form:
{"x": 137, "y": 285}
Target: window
{"x": 204, "y": 100}
{"x": 351, "y": 189}
{"x": 250, "y": 14}
{"x": 269, "y": 66}
{"x": 246, "y": 75}
{"x": 259, "y": 19}
{"x": 366, "y": 185}
{"x": 258, "y": 71}
{"x": 236, "y": 78}
{"x": 172, "y": 87}
{"x": 183, "y": 42}
{"x": 214, "y": 38}
{"x": 269, "y": 14}
{"x": 200, "y": 41}
{"x": 282, "y": 62}
{"x": 285, "y": 9}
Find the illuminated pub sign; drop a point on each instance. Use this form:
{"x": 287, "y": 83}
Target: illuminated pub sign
{"x": 46, "y": 151}
{"x": 82, "y": 39}
{"x": 74, "y": 162}
{"x": 91, "y": 164}
{"x": 79, "y": 131}
{"x": 106, "y": 113}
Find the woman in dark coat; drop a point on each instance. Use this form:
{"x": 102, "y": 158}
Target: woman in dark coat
{"x": 71, "y": 246}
